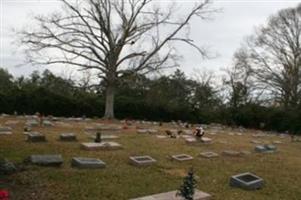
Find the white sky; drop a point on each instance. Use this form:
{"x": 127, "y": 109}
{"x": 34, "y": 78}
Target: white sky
{"x": 223, "y": 34}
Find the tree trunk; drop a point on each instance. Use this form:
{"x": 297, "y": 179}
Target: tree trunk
{"x": 109, "y": 110}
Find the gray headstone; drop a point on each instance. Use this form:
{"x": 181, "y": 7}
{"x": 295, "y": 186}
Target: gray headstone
{"x": 172, "y": 195}
{"x": 246, "y": 181}
{"x": 92, "y": 146}
{"x": 36, "y": 137}
{"x": 46, "y": 160}
{"x": 87, "y": 163}
{"x": 209, "y": 154}
{"x": 182, "y": 157}
{"x": 142, "y": 160}
{"x": 68, "y": 137}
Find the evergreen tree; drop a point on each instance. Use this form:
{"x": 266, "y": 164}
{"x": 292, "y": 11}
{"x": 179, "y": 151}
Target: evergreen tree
{"x": 187, "y": 188}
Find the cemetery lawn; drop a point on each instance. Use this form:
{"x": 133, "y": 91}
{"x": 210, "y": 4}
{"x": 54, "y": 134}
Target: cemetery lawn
{"x": 120, "y": 180}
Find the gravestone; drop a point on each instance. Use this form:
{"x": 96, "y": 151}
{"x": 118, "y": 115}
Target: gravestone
{"x": 191, "y": 140}
{"x": 161, "y": 136}
{"x": 11, "y": 123}
{"x": 54, "y": 160}
{"x": 270, "y": 147}
{"x": 231, "y": 153}
{"x": 266, "y": 148}
{"x": 92, "y": 146}
{"x": 47, "y": 123}
{"x": 209, "y": 154}
{"x": 182, "y": 157}
{"x": 32, "y": 123}
{"x": 172, "y": 195}
{"x": 68, "y": 137}
{"x": 246, "y": 181}
{"x": 206, "y": 140}
{"x": 36, "y": 137}
{"x": 5, "y": 130}
{"x": 142, "y": 131}
{"x": 87, "y": 163}
{"x": 142, "y": 160}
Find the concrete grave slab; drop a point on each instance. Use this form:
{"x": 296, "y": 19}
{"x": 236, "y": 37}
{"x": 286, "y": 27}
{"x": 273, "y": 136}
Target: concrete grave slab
{"x": 36, "y": 137}
{"x": 246, "y": 181}
{"x": 209, "y": 154}
{"x": 142, "y": 131}
{"x": 11, "y": 123}
{"x": 270, "y": 147}
{"x": 260, "y": 149}
{"x": 161, "y": 136}
{"x": 87, "y": 163}
{"x": 92, "y": 146}
{"x": 142, "y": 160}
{"x": 198, "y": 195}
{"x": 5, "y": 130}
{"x": 32, "y": 123}
{"x": 191, "y": 140}
{"x": 265, "y": 148}
{"x": 47, "y": 123}
{"x": 46, "y": 160}
{"x": 182, "y": 157}
{"x": 68, "y": 137}
{"x": 206, "y": 140}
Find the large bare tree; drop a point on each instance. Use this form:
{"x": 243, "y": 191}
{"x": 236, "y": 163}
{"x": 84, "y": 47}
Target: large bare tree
{"x": 112, "y": 37}
{"x": 275, "y": 56}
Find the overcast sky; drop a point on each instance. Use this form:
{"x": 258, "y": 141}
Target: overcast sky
{"x": 223, "y": 34}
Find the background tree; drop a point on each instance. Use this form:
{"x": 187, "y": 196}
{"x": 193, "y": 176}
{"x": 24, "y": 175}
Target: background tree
{"x": 274, "y": 53}
{"x": 112, "y": 37}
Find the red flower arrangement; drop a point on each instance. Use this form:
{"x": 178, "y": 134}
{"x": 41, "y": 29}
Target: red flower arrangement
{"x": 4, "y": 195}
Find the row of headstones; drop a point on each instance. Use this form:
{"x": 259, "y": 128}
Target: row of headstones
{"x": 66, "y": 137}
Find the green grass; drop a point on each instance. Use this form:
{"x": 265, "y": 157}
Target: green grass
{"x": 120, "y": 180}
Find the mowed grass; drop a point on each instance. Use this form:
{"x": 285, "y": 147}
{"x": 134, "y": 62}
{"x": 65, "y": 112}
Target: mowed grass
{"x": 120, "y": 180}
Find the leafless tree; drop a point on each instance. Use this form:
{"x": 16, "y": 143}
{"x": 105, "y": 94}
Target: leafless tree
{"x": 238, "y": 80}
{"x": 113, "y": 37}
{"x": 274, "y": 53}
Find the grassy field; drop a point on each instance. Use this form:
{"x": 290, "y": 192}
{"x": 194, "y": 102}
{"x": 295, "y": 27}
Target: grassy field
{"x": 120, "y": 180}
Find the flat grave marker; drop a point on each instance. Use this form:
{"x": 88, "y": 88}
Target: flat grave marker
{"x": 198, "y": 195}
{"x": 54, "y": 160}
{"x": 142, "y": 160}
{"x": 93, "y": 146}
{"x": 209, "y": 154}
{"x": 246, "y": 181}
{"x": 182, "y": 157}
{"x": 87, "y": 163}
{"x": 35, "y": 137}
{"x": 68, "y": 137}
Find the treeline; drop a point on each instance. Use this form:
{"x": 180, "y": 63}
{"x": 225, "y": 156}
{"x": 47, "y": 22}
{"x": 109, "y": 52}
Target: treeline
{"x": 173, "y": 97}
